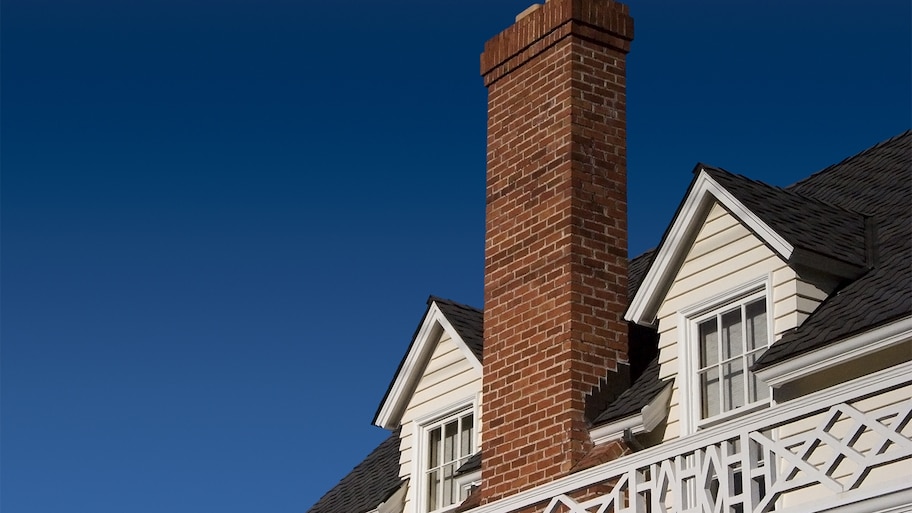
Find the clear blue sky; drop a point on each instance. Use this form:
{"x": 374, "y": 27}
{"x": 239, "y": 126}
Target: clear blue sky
{"x": 221, "y": 219}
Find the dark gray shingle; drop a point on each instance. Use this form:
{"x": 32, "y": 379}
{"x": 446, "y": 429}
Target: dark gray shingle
{"x": 805, "y": 222}
{"x": 877, "y": 182}
{"x": 636, "y": 397}
{"x": 466, "y": 320}
{"x": 373, "y": 481}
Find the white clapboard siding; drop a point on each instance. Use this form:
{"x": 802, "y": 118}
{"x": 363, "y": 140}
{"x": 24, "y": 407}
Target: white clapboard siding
{"x": 448, "y": 379}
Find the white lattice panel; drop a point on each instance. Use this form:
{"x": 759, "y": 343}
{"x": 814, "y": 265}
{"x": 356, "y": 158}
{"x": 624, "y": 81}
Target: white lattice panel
{"x": 752, "y": 470}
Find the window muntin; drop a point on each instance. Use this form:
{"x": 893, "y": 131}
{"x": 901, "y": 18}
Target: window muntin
{"x": 449, "y": 444}
{"x": 730, "y": 340}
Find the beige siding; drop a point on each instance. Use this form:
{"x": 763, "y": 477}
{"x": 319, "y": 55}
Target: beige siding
{"x": 449, "y": 378}
{"x": 725, "y": 255}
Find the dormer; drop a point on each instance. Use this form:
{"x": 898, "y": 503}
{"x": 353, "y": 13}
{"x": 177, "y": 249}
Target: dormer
{"x": 742, "y": 264}
{"x": 434, "y": 401}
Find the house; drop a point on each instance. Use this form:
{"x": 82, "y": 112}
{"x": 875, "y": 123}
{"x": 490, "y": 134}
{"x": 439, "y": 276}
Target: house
{"x": 759, "y": 359}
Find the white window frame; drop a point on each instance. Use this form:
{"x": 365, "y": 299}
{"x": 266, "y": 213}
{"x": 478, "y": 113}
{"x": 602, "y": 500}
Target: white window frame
{"x": 423, "y": 426}
{"x": 689, "y": 319}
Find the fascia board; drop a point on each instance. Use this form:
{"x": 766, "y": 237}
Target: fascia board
{"x": 615, "y": 430}
{"x": 435, "y": 322}
{"x": 829, "y": 356}
{"x": 407, "y": 378}
{"x": 680, "y": 236}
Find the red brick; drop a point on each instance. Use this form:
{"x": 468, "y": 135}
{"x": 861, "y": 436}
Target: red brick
{"x": 556, "y": 244}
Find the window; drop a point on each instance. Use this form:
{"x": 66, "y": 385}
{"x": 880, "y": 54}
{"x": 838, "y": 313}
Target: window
{"x": 448, "y": 443}
{"x": 730, "y": 339}
{"x": 720, "y": 338}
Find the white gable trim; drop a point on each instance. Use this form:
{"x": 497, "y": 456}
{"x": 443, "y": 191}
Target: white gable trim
{"x": 642, "y": 422}
{"x": 863, "y": 344}
{"x": 403, "y": 386}
{"x": 684, "y": 229}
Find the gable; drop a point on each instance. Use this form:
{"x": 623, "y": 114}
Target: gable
{"x": 723, "y": 257}
{"x": 449, "y": 381}
{"x": 434, "y": 327}
{"x": 807, "y": 234}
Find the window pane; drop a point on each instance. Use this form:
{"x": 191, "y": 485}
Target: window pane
{"x": 756, "y": 325}
{"x": 450, "y": 443}
{"x": 433, "y": 489}
{"x": 465, "y": 442}
{"x": 733, "y": 384}
{"x": 731, "y": 334}
{"x": 709, "y": 383}
{"x": 450, "y": 492}
{"x": 709, "y": 343}
{"x": 449, "y": 440}
{"x": 434, "y": 448}
{"x": 758, "y": 389}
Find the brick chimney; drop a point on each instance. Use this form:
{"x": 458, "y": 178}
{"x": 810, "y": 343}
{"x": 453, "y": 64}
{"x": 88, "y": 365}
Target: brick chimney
{"x": 556, "y": 243}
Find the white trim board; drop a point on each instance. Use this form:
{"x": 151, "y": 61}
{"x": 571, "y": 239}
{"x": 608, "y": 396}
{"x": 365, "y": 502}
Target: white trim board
{"x": 687, "y": 223}
{"x": 846, "y": 350}
{"x": 643, "y": 421}
{"x": 419, "y": 354}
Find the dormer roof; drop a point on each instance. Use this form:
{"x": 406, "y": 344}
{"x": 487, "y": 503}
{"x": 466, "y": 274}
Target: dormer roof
{"x": 461, "y": 322}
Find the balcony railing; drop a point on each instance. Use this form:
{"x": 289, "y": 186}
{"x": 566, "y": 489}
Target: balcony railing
{"x": 841, "y": 446}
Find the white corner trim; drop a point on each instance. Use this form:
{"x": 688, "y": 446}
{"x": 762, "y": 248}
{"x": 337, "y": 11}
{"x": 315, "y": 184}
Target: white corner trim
{"x": 432, "y": 327}
{"x": 643, "y": 422}
{"x": 860, "y": 345}
{"x": 683, "y": 230}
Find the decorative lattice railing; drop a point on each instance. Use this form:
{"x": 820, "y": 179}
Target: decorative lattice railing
{"x": 840, "y": 446}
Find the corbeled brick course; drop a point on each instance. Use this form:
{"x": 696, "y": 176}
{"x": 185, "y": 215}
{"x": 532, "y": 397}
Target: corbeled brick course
{"x": 556, "y": 246}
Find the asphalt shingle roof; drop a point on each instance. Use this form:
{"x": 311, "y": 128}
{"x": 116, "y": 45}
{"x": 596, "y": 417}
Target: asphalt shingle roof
{"x": 373, "y": 481}
{"x": 636, "y": 397}
{"x": 471, "y": 464}
{"x": 804, "y": 221}
{"x": 878, "y": 183}
{"x": 466, "y": 320}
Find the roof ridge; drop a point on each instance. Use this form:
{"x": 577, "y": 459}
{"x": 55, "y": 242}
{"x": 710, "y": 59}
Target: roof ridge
{"x": 860, "y": 154}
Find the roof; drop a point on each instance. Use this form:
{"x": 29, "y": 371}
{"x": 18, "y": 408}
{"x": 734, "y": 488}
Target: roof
{"x": 830, "y": 215}
{"x": 466, "y": 320}
{"x": 632, "y": 400}
{"x": 878, "y": 183}
{"x": 470, "y": 465}
{"x": 463, "y": 323}
{"x": 823, "y": 229}
{"x": 372, "y": 482}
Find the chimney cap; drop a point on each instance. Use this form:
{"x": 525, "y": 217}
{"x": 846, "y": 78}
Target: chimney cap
{"x": 527, "y": 11}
